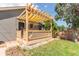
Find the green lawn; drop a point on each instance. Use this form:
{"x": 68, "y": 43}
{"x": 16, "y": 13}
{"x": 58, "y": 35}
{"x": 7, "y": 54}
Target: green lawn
{"x": 55, "y": 48}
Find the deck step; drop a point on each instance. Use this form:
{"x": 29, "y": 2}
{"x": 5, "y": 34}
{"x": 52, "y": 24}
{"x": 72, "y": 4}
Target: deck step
{"x": 33, "y": 42}
{"x": 37, "y": 43}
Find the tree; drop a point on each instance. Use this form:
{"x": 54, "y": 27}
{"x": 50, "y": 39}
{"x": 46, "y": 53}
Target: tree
{"x": 69, "y": 12}
{"x": 54, "y": 29}
{"x": 47, "y": 25}
{"x": 61, "y": 28}
{"x": 54, "y": 26}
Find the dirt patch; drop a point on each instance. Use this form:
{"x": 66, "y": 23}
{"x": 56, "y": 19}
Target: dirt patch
{"x": 17, "y": 51}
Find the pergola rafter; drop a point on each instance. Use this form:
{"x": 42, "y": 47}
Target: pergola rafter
{"x": 35, "y": 14}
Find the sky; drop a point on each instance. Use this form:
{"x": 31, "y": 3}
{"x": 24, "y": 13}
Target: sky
{"x": 46, "y": 7}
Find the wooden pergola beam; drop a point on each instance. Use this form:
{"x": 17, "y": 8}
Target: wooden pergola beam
{"x": 26, "y": 25}
{"x": 39, "y": 15}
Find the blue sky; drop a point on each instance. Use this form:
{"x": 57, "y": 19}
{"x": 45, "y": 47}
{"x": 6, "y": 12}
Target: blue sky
{"x": 50, "y": 8}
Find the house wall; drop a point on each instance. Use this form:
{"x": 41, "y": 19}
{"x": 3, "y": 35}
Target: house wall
{"x": 8, "y": 29}
{"x": 8, "y": 24}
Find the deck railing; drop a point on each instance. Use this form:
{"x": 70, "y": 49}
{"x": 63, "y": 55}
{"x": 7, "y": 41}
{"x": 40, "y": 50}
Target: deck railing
{"x": 36, "y": 34}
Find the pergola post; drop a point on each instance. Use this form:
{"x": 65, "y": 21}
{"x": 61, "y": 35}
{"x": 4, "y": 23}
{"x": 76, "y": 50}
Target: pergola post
{"x": 51, "y": 27}
{"x": 26, "y": 25}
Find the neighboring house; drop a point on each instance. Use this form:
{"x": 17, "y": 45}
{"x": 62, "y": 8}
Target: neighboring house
{"x": 8, "y": 21}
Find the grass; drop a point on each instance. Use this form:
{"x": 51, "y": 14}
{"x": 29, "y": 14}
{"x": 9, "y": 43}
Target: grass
{"x": 55, "y": 48}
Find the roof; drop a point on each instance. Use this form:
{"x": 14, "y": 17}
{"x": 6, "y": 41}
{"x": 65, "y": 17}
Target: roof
{"x": 8, "y": 12}
{"x": 11, "y": 8}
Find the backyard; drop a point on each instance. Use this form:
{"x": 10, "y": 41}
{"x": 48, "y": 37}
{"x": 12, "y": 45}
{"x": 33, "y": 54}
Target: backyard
{"x": 62, "y": 23}
{"x": 54, "y": 48}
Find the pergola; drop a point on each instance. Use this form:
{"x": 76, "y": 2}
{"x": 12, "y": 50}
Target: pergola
{"x": 32, "y": 14}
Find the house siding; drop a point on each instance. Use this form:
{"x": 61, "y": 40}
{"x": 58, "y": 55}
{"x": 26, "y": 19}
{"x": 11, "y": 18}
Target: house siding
{"x": 8, "y": 25}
